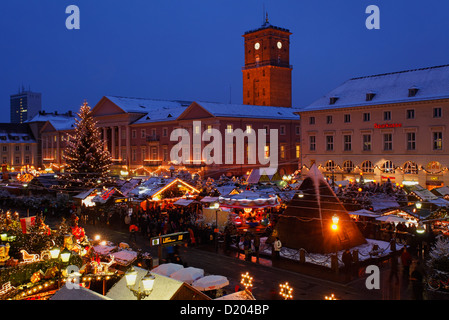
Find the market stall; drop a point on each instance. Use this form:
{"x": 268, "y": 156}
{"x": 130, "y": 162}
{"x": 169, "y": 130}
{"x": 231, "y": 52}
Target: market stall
{"x": 249, "y": 208}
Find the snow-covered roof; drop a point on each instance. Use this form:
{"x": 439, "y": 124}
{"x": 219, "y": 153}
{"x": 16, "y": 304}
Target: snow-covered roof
{"x": 249, "y": 111}
{"x": 441, "y": 191}
{"x": 146, "y": 106}
{"x": 164, "y": 287}
{"x": 63, "y": 124}
{"x": 159, "y": 115}
{"x": 150, "y": 187}
{"x": 430, "y": 83}
{"x": 16, "y": 133}
{"x": 51, "y": 116}
{"x": 77, "y": 293}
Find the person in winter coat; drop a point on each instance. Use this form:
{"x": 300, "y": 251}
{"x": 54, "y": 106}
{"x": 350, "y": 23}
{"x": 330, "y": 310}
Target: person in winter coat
{"x": 406, "y": 260}
{"x": 347, "y": 260}
{"x": 277, "y": 247}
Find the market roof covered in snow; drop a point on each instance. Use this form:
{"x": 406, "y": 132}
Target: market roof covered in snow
{"x": 77, "y": 293}
{"x": 165, "y": 288}
{"x": 441, "y": 191}
{"x": 395, "y": 87}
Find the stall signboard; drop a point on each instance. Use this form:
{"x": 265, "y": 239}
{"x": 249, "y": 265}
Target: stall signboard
{"x": 169, "y": 239}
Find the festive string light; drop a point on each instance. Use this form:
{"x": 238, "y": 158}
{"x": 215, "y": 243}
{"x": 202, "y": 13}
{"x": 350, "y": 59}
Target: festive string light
{"x": 247, "y": 281}
{"x": 286, "y": 291}
{"x": 331, "y": 297}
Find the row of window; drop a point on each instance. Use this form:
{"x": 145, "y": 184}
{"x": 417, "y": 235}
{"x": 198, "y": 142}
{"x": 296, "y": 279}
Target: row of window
{"x": 197, "y": 130}
{"x": 366, "y": 116}
{"x": 367, "y": 166}
{"x": 16, "y": 148}
{"x": 387, "y": 142}
{"x": 17, "y": 160}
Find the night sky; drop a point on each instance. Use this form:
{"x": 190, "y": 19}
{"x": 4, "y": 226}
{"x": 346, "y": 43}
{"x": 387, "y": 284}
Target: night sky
{"x": 193, "y": 50}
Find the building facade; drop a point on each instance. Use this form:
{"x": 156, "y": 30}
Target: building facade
{"x": 139, "y": 134}
{"x": 18, "y": 146}
{"x": 24, "y": 105}
{"x": 388, "y": 126}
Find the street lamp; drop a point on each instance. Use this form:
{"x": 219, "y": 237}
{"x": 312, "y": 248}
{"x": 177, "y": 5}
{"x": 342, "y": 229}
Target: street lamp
{"x": 335, "y": 220}
{"x": 420, "y": 229}
{"x": 147, "y": 283}
{"x": 65, "y": 255}
{"x": 216, "y": 206}
{"x": 334, "y": 227}
{"x": 54, "y": 252}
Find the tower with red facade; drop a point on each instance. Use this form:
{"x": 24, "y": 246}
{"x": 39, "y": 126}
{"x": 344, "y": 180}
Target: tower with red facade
{"x": 267, "y": 74}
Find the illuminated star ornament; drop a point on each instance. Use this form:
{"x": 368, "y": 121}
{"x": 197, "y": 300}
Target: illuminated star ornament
{"x": 286, "y": 291}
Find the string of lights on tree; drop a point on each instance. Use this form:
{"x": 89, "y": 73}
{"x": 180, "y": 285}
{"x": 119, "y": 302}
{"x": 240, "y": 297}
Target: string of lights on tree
{"x": 86, "y": 160}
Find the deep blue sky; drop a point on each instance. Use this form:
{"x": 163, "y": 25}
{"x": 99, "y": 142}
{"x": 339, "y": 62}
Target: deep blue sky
{"x": 193, "y": 50}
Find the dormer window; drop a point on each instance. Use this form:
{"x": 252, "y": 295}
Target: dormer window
{"x": 412, "y": 92}
{"x": 370, "y": 96}
{"x": 333, "y": 100}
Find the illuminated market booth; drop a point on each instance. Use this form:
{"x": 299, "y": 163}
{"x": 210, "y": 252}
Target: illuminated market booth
{"x": 249, "y": 209}
{"x": 163, "y": 192}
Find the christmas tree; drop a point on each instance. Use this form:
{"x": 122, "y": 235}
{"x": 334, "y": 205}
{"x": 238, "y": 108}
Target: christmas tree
{"x": 439, "y": 255}
{"x": 86, "y": 160}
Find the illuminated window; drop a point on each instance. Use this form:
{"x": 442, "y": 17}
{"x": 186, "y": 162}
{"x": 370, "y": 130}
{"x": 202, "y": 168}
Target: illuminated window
{"x": 282, "y": 152}
{"x": 366, "y": 142}
{"x": 229, "y": 128}
{"x": 434, "y": 167}
{"x": 388, "y": 167}
{"x": 330, "y": 165}
{"x": 348, "y": 166}
{"x": 437, "y": 140}
{"x": 367, "y": 167}
{"x": 410, "y": 168}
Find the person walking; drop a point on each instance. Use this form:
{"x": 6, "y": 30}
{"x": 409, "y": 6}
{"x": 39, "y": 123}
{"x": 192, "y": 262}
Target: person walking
{"x": 277, "y": 246}
{"x": 347, "y": 260}
{"x": 132, "y": 232}
{"x": 406, "y": 260}
{"x": 256, "y": 244}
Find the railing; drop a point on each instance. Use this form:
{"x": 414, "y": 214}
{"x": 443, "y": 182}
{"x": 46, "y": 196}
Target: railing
{"x": 153, "y": 138}
{"x": 275, "y": 63}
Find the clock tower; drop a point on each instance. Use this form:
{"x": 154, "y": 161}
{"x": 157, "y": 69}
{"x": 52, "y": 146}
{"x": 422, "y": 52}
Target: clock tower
{"x": 267, "y": 74}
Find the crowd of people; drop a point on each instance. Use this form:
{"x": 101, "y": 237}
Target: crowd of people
{"x": 155, "y": 221}
{"x": 361, "y": 194}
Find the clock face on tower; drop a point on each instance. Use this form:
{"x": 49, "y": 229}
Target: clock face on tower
{"x": 257, "y": 46}
{"x": 279, "y": 45}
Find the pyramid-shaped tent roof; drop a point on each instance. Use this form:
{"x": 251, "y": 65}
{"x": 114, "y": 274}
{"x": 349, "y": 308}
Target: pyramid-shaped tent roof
{"x": 306, "y": 223}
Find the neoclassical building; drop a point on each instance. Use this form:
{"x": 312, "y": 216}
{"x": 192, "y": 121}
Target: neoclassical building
{"x": 137, "y": 133}
{"x": 386, "y": 126}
